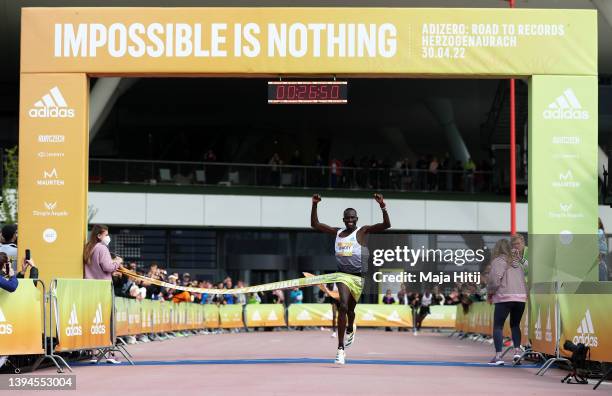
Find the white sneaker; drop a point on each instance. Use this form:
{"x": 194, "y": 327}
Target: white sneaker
{"x": 93, "y": 361}
{"x": 350, "y": 337}
{"x": 334, "y": 335}
{"x": 496, "y": 362}
{"x": 340, "y": 357}
{"x": 112, "y": 361}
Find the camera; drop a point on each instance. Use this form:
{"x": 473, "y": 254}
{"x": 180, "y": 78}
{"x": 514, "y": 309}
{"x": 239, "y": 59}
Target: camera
{"x": 570, "y": 346}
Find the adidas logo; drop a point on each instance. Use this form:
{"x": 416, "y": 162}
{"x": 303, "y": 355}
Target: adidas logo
{"x": 304, "y": 315}
{"x": 548, "y": 334}
{"x": 51, "y": 105}
{"x": 272, "y": 316}
{"x": 394, "y": 317}
{"x": 98, "y": 323}
{"x": 328, "y": 315}
{"x": 368, "y": 316}
{"x": 538, "y": 327}
{"x": 586, "y": 331}
{"x": 566, "y": 107}
{"x": 73, "y": 328}
{"x": 256, "y": 315}
{"x": 5, "y": 328}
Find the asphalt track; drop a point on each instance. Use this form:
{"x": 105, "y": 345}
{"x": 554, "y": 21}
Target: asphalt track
{"x": 301, "y": 363}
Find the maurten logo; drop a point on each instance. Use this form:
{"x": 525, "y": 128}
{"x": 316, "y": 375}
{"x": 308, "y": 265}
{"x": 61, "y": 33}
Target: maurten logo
{"x": 586, "y": 331}
{"x": 566, "y": 180}
{"x": 50, "y": 178}
{"x": 51, "y": 105}
{"x": 566, "y": 107}
{"x": 73, "y": 329}
{"x": 5, "y": 328}
{"x": 98, "y": 324}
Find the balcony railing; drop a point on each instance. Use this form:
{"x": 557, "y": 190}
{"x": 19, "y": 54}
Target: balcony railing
{"x": 281, "y": 176}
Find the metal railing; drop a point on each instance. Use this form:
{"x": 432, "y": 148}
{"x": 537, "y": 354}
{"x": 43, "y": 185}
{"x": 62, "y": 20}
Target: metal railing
{"x": 280, "y": 176}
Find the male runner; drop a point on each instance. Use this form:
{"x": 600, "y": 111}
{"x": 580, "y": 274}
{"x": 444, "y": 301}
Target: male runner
{"x": 351, "y": 254}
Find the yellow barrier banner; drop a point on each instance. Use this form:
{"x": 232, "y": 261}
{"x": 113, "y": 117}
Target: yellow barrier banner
{"x": 542, "y": 327}
{"x": 231, "y": 316}
{"x": 166, "y": 316}
{"x": 383, "y": 315}
{"x": 134, "y": 317}
{"x": 265, "y": 315}
{"x": 21, "y": 320}
{"x": 121, "y": 316}
{"x": 211, "y": 316}
{"x": 309, "y": 40}
{"x": 586, "y": 319}
{"x": 310, "y": 315}
{"x": 157, "y": 316}
{"x": 441, "y": 316}
{"x": 146, "y": 316}
{"x": 83, "y": 313}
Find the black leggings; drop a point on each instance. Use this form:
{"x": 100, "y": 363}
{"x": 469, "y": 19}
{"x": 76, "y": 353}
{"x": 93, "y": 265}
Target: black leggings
{"x": 515, "y": 309}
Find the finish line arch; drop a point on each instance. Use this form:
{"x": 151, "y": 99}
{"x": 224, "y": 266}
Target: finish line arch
{"x": 62, "y": 47}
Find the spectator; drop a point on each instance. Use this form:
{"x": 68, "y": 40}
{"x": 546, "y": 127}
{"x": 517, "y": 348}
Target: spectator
{"x": 241, "y": 298}
{"x": 8, "y": 280}
{"x": 438, "y": 298}
{"x": 508, "y": 291}
{"x": 335, "y": 169}
{"x": 603, "y": 251}
{"x": 433, "y": 174}
{"x": 470, "y": 169}
{"x": 402, "y": 295}
{"x": 388, "y": 299}
{"x": 296, "y": 296}
{"x": 421, "y": 168}
{"x": 25, "y": 265}
{"x": 275, "y": 171}
{"x": 297, "y": 172}
{"x": 8, "y": 244}
{"x": 96, "y": 256}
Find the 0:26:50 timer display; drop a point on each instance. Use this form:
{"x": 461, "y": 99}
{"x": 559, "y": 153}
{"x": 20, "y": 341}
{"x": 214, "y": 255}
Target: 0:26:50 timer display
{"x": 307, "y": 92}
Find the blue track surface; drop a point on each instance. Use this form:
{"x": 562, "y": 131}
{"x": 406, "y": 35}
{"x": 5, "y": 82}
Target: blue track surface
{"x": 307, "y": 361}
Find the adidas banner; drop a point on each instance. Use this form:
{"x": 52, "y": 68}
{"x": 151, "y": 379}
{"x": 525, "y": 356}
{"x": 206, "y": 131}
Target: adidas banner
{"x": 265, "y": 315}
{"x": 383, "y": 315}
{"x": 230, "y": 316}
{"x": 309, "y": 40}
{"x": 586, "y": 319}
{"x": 21, "y": 320}
{"x": 542, "y": 329}
{"x": 121, "y": 316}
{"x": 441, "y": 316}
{"x": 83, "y": 311}
{"x": 310, "y": 314}
{"x": 563, "y": 178}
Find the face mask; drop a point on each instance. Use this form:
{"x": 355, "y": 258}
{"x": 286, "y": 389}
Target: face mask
{"x": 106, "y": 240}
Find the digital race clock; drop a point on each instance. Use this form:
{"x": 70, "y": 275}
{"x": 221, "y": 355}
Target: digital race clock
{"x": 307, "y": 92}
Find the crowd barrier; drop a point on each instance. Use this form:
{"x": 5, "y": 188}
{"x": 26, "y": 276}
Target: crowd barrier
{"x": 551, "y": 320}
{"x": 21, "y": 320}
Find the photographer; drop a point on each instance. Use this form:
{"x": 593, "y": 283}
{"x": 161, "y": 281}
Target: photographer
{"x": 25, "y": 265}
{"x": 8, "y": 244}
{"x": 508, "y": 291}
{"x": 8, "y": 280}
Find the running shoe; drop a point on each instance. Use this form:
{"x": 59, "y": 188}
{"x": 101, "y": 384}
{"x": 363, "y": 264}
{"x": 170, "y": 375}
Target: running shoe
{"x": 496, "y": 362}
{"x": 350, "y": 337}
{"x": 112, "y": 361}
{"x": 340, "y": 357}
{"x": 334, "y": 335}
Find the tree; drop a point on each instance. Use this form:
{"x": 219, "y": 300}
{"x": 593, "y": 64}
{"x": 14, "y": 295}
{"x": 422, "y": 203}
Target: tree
{"x": 8, "y": 208}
